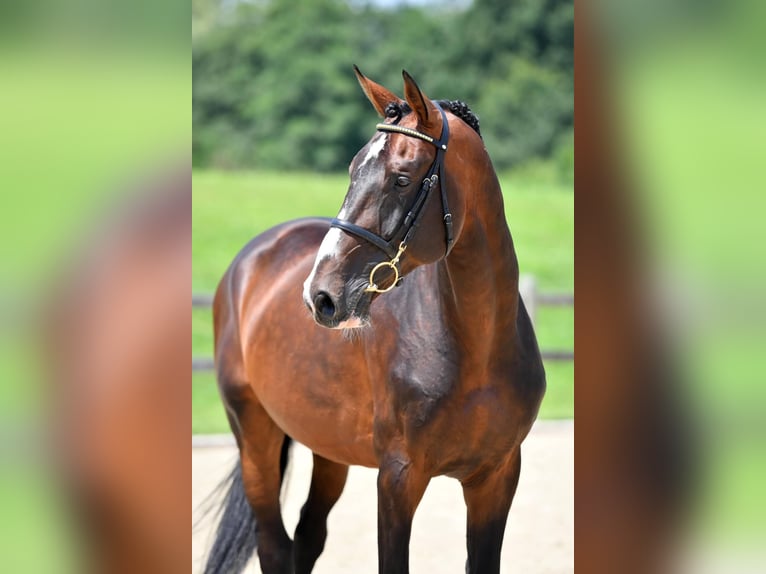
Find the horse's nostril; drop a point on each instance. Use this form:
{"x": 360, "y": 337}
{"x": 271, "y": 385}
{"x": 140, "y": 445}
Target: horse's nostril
{"x": 324, "y": 305}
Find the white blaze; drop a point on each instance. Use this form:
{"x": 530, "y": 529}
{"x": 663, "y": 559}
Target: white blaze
{"x": 327, "y": 249}
{"x": 377, "y": 145}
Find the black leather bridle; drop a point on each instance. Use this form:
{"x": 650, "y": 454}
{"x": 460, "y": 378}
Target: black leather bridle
{"x": 395, "y": 246}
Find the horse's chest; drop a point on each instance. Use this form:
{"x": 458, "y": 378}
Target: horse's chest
{"x": 448, "y": 429}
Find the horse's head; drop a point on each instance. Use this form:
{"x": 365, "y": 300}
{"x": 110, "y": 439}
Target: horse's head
{"x": 402, "y": 208}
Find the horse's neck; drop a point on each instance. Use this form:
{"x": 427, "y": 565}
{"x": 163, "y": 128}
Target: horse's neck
{"x": 479, "y": 278}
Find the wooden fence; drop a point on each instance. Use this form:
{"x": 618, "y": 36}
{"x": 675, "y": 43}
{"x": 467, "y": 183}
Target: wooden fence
{"x": 533, "y": 299}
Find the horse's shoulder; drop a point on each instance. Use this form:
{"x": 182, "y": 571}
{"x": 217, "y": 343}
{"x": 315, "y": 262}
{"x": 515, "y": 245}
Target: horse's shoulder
{"x": 268, "y": 255}
{"x": 280, "y": 244}
{"x": 306, "y": 232}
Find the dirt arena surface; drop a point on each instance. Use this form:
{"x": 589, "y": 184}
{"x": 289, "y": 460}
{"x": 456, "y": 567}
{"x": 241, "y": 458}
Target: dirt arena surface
{"x": 538, "y": 539}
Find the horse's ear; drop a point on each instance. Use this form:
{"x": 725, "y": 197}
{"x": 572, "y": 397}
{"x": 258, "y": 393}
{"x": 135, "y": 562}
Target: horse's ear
{"x": 420, "y": 104}
{"x": 379, "y": 96}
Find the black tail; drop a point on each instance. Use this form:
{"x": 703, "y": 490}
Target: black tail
{"x": 236, "y": 537}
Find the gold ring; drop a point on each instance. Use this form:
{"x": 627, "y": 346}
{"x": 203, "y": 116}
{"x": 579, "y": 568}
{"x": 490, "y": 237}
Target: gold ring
{"x": 372, "y": 287}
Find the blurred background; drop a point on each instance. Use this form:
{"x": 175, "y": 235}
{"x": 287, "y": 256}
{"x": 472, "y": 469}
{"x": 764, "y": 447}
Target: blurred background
{"x": 670, "y": 282}
{"x": 272, "y": 87}
{"x": 95, "y": 132}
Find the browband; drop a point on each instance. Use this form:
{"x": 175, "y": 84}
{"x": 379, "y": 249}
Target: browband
{"x": 410, "y": 132}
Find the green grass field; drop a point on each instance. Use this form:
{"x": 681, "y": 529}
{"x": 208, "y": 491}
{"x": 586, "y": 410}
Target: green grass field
{"x": 230, "y": 208}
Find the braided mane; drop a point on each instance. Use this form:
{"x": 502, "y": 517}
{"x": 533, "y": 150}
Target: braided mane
{"x": 460, "y": 109}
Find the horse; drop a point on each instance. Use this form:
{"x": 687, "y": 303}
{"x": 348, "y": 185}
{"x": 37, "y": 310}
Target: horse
{"x": 391, "y": 337}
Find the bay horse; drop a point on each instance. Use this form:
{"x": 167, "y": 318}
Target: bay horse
{"x": 416, "y": 355}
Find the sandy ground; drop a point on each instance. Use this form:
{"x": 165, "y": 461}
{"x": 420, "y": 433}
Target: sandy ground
{"x": 538, "y": 539}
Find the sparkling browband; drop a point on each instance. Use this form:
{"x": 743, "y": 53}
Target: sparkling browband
{"x": 408, "y": 132}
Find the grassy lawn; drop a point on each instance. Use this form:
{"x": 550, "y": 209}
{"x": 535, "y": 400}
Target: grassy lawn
{"x": 231, "y": 207}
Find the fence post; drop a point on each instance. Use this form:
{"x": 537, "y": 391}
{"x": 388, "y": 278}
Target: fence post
{"x": 528, "y": 291}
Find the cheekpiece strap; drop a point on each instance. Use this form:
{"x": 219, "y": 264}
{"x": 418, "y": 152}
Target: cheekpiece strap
{"x": 410, "y": 223}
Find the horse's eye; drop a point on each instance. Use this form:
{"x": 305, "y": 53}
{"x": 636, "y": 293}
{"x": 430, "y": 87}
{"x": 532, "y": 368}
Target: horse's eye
{"x": 402, "y": 181}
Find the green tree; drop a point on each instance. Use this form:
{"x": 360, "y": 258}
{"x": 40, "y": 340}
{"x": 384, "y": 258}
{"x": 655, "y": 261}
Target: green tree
{"x": 273, "y": 84}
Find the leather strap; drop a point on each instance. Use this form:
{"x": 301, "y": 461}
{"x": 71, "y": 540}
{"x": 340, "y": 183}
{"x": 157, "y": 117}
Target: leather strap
{"x": 435, "y": 176}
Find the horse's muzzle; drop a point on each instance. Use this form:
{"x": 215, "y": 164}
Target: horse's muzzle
{"x": 332, "y": 312}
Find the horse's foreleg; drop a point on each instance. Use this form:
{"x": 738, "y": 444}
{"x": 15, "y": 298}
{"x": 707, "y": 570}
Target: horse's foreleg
{"x": 327, "y": 481}
{"x": 260, "y": 452}
{"x": 488, "y": 500}
{"x": 400, "y": 488}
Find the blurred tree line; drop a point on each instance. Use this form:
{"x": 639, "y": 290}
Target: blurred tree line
{"x": 273, "y": 84}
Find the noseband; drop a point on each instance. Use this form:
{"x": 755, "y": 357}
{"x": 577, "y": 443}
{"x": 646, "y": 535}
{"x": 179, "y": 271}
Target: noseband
{"x": 406, "y": 228}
